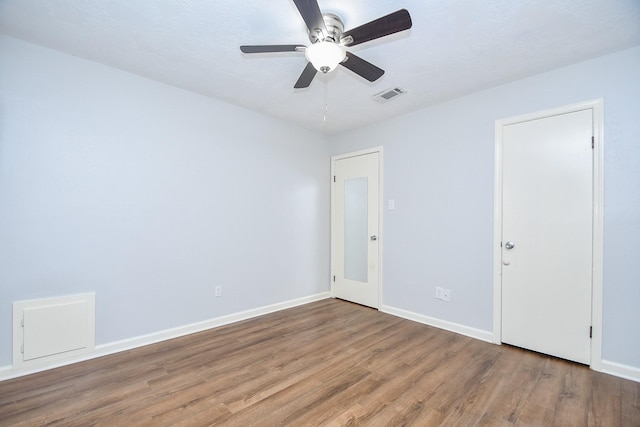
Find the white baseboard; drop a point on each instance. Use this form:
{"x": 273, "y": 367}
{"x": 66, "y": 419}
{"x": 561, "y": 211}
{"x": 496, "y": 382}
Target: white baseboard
{"x": 8, "y": 372}
{"x": 5, "y": 372}
{"x": 441, "y": 324}
{"x": 619, "y": 370}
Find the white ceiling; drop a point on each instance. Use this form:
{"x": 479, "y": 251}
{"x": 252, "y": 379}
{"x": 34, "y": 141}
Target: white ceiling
{"x": 454, "y": 48}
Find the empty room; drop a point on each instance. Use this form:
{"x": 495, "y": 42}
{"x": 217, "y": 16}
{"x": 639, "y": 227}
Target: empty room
{"x": 319, "y": 212}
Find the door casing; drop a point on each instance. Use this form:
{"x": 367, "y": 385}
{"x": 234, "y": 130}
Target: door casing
{"x": 380, "y": 235}
{"x": 598, "y": 186}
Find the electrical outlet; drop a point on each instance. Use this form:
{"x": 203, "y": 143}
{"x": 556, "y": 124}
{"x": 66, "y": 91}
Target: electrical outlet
{"x": 218, "y": 291}
{"x": 443, "y": 294}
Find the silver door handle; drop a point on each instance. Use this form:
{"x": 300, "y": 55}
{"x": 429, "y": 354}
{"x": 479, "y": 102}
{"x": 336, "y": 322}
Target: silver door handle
{"x": 509, "y": 245}
{"x": 374, "y": 237}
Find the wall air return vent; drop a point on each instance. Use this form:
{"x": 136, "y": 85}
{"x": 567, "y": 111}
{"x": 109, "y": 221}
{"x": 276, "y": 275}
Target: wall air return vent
{"x": 389, "y": 94}
{"x": 53, "y": 330}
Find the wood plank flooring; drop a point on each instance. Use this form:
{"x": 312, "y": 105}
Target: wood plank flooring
{"x": 329, "y": 363}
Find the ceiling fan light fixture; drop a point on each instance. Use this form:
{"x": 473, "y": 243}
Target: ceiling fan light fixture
{"x": 325, "y": 56}
{"x": 329, "y": 42}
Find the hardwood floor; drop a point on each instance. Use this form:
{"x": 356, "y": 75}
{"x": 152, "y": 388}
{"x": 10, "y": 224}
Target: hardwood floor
{"x": 329, "y": 363}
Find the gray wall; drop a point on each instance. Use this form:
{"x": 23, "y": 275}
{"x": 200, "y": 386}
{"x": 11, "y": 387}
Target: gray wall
{"x": 439, "y": 166}
{"x": 150, "y": 196}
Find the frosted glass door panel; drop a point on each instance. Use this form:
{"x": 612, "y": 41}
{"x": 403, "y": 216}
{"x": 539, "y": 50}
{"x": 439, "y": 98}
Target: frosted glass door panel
{"x": 356, "y": 218}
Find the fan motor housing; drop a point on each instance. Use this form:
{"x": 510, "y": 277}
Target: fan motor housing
{"x": 335, "y": 28}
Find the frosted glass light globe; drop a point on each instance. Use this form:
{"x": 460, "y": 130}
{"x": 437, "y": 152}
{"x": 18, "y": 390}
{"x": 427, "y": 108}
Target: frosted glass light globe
{"x": 325, "y": 56}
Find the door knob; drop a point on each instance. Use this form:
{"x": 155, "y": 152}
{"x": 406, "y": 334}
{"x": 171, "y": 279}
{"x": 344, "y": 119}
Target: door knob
{"x": 374, "y": 237}
{"x": 509, "y": 245}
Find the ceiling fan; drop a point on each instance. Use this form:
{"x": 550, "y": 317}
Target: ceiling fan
{"x": 329, "y": 42}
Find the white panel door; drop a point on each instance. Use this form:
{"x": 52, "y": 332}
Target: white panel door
{"x": 547, "y": 218}
{"x": 355, "y": 229}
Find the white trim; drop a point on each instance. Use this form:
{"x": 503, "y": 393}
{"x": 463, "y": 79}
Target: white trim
{"x": 379, "y": 150}
{"x": 381, "y": 205}
{"x": 8, "y": 372}
{"x": 497, "y": 235}
{"x": 598, "y": 235}
{"x": 619, "y": 370}
{"x": 598, "y": 221}
{"x": 438, "y": 323}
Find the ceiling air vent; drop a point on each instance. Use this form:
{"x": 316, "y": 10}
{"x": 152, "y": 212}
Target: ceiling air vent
{"x": 388, "y": 95}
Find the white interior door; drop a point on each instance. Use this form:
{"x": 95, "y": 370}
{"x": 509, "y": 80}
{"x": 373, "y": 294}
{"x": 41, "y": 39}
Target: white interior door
{"x": 547, "y": 243}
{"x": 355, "y": 242}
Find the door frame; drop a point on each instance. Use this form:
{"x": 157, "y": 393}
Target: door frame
{"x": 598, "y": 220}
{"x": 380, "y": 234}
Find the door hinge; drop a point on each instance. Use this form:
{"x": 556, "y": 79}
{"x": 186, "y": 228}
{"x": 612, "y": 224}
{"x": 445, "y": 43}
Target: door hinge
{"x": 590, "y": 331}
{"x": 334, "y": 279}
{"x": 22, "y": 322}
{"x": 593, "y": 142}
{"x": 22, "y": 348}
{"x": 334, "y": 178}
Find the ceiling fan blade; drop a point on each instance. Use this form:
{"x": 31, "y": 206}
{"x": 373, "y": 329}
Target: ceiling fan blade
{"x": 389, "y": 24}
{"x": 362, "y": 68}
{"x": 306, "y": 77}
{"x": 273, "y": 48}
{"x": 310, "y": 12}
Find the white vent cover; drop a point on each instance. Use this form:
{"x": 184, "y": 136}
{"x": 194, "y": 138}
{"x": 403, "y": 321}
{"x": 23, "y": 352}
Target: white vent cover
{"x": 389, "y": 94}
{"x": 49, "y": 331}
